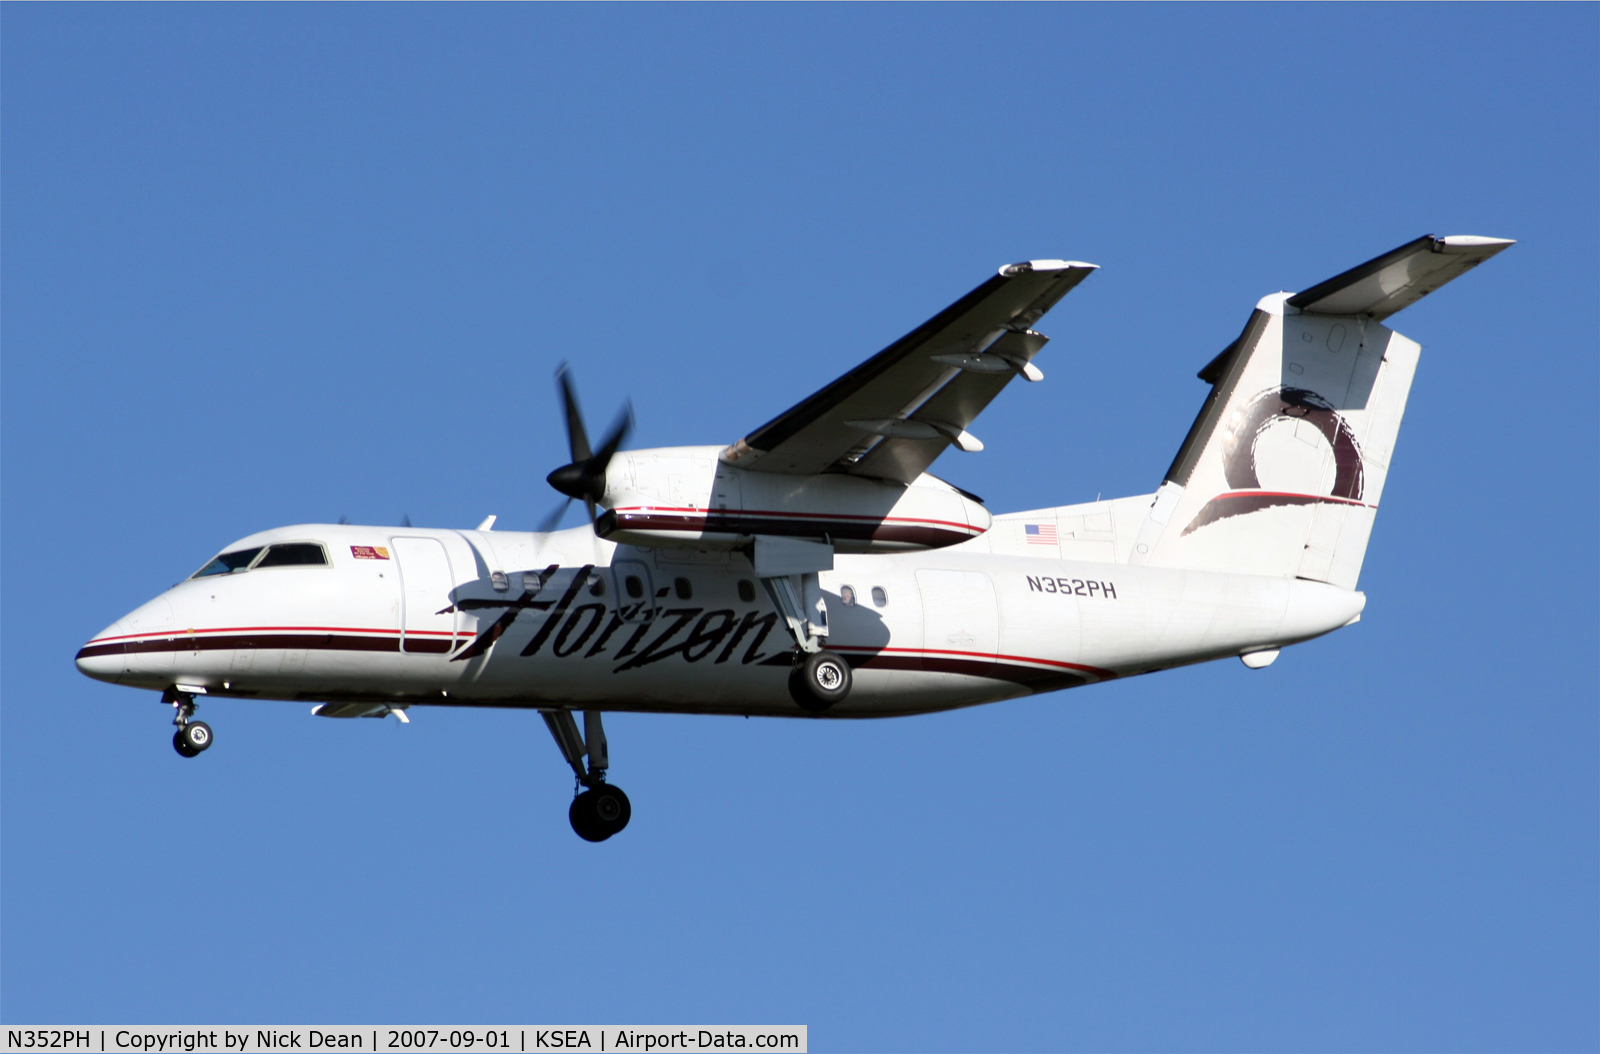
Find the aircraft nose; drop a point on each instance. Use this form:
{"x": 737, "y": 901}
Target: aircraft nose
{"x": 103, "y": 656}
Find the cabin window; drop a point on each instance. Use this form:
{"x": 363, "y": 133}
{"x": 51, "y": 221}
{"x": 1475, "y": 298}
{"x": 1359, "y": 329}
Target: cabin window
{"x": 228, "y": 563}
{"x": 879, "y": 597}
{"x": 682, "y": 587}
{"x": 747, "y": 590}
{"x": 294, "y": 554}
{"x": 634, "y": 587}
{"x": 597, "y": 584}
{"x": 847, "y": 596}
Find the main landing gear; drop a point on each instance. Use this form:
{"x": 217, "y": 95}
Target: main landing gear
{"x": 599, "y": 810}
{"x": 820, "y": 678}
{"x": 192, "y": 737}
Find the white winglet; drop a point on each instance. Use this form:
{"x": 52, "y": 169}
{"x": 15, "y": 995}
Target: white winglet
{"x": 488, "y": 523}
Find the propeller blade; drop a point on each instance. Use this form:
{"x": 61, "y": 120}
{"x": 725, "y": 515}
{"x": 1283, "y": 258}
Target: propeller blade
{"x": 585, "y": 480}
{"x": 584, "y": 477}
{"x": 613, "y": 441}
{"x": 577, "y": 438}
{"x": 553, "y": 521}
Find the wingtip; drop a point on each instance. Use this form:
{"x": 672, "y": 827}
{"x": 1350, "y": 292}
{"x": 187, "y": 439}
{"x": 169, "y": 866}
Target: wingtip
{"x": 1471, "y": 245}
{"x": 1028, "y": 266}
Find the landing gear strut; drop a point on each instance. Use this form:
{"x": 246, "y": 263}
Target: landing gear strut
{"x": 820, "y": 678}
{"x": 192, "y": 737}
{"x": 599, "y": 810}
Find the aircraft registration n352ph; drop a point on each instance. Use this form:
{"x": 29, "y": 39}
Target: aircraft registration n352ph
{"x": 816, "y": 568}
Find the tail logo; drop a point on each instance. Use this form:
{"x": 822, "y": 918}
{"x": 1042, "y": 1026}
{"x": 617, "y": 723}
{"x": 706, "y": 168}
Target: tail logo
{"x": 1245, "y": 427}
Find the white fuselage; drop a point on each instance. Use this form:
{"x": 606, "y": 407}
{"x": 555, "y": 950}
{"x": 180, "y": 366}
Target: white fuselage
{"x": 679, "y": 631}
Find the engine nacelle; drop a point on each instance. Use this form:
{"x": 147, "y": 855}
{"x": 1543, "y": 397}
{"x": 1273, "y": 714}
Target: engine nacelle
{"x": 684, "y": 497}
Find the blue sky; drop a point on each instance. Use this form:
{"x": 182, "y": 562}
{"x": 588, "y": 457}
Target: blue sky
{"x": 269, "y": 265}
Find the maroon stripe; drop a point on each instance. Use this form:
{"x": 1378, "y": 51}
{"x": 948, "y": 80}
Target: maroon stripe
{"x": 723, "y": 523}
{"x": 312, "y": 641}
{"x": 1240, "y": 503}
{"x": 1036, "y": 679}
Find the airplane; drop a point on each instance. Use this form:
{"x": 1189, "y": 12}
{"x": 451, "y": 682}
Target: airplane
{"x": 816, "y": 568}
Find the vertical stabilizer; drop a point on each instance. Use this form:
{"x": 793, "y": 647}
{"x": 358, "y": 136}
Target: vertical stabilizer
{"x": 1283, "y": 470}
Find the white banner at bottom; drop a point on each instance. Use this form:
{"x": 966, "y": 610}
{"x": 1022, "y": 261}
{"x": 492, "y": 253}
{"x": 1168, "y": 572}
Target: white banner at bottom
{"x": 382, "y": 1039}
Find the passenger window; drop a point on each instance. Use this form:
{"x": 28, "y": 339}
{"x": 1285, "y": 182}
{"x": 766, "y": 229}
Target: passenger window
{"x": 747, "y": 590}
{"x": 847, "y": 596}
{"x": 681, "y": 587}
{"x": 879, "y": 597}
{"x": 634, "y": 587}
{"x": 597, "y": 587}
{"x": 295, "y": 554}
{"x": 228, "y": 563}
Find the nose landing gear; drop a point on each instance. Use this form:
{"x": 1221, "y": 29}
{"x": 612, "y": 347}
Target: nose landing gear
{"x": 192, "y": 737}
{"x": 600, "y": 810}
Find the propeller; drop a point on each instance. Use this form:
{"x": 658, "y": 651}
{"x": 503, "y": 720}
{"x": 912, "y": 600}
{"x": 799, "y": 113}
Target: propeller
{"x": 584, "y": 477}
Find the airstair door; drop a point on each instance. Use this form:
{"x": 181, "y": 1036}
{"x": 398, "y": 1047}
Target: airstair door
{"x": 428, "y": 621}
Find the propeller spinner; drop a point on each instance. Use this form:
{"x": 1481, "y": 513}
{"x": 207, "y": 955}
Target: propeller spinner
{"x": 584, "y": 478}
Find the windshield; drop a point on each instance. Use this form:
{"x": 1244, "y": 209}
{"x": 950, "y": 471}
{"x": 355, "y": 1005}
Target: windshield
{"x": 294, "y": 554}
{"x": 228, "y": 563}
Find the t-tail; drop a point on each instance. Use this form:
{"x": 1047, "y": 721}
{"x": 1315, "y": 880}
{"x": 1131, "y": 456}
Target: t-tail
{"x": 1283, "y": 470}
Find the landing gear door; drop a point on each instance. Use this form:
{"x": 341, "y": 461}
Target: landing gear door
{"x": 635, "y": 590}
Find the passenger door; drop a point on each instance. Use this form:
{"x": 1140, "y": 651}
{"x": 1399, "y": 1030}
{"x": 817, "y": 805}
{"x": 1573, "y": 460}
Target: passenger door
{"x": 425, "y": 584}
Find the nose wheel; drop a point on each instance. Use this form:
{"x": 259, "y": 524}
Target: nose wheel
{"x": 192, "y": 737}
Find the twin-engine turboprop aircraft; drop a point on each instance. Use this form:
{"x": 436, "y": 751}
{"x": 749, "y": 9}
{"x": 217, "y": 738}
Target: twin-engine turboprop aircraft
{"x": 816, "y": 568}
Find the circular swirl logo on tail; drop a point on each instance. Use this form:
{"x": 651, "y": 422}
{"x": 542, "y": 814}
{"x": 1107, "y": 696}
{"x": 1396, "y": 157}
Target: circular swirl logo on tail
{"x": 1245, "y": 428}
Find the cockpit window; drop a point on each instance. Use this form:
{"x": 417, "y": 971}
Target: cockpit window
{"x": 228, "y": 563}
{"x": 294, "y": 554}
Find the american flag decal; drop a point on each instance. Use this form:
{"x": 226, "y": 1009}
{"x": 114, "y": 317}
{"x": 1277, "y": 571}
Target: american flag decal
{"x": 1040, "y": 533}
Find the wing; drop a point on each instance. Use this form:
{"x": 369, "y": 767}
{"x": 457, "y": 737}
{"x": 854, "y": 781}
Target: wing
{"x": 893, "y": 414}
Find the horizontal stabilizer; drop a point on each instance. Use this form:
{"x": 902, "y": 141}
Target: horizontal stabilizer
{"x": 1398, "y": 278}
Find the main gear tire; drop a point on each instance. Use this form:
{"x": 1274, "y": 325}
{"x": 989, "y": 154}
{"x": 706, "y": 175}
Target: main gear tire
{"x": 819, "y": 681}
{"x": 599, "y": 812}
{"x": 182, "y": 746}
